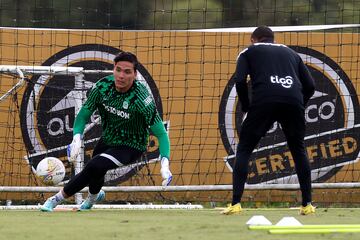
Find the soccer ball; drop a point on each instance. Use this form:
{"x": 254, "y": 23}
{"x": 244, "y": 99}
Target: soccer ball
{"x": 51, "y": 171}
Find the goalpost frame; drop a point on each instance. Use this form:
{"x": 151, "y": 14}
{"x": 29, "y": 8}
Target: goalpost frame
{"x": 79, "y": 72}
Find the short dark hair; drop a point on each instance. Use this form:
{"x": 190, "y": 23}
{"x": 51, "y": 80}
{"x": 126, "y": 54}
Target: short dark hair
{"x": 263, "y": 34}
{"x": 127, "y": 57}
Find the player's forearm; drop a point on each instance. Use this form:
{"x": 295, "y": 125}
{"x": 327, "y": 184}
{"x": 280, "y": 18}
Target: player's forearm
{"x": 164, "y": 143}
{"x": 80, "y": 121}
{"x": 240, "y": 78}
{"x": 242, "y": 92}
{"x": 307, "y": 82}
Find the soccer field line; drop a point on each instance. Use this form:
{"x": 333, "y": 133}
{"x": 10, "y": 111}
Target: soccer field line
{"x": 72, "y": 207}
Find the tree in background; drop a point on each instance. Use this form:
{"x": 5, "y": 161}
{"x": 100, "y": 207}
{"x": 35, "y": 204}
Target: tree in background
{"x": 175, "y": 14}
{"x": 290, "y": 12}
{"x": 187, "y": 14}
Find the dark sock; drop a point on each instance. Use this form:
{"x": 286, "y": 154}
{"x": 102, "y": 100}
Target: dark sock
{"x": 236, "y": 200}
{"x": 304, "y": 204}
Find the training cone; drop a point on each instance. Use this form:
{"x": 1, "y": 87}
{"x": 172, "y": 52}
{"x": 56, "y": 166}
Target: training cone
{"x": 258, "y": 220}
{"x": 288, "y": 221}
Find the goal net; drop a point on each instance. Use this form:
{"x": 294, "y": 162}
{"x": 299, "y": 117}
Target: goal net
{"x": 45, "y": 75}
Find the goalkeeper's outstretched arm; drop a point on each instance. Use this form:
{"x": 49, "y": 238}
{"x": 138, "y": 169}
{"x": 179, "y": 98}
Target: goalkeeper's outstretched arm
{"x": 80, "y": 121}
{"x": 164, "y": 143}
{"x": 164, "y": 147}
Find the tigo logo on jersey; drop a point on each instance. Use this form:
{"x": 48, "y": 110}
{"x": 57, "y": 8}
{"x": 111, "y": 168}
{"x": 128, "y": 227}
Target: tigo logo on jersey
{"x": 286, "y": 82}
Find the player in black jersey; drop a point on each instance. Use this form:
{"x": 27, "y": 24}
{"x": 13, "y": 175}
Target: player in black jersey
{"x": 281, "y": 86}
{"x": 127, "y": 112}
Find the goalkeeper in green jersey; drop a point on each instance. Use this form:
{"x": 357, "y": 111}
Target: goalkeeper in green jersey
{"x": 127, "y": 112}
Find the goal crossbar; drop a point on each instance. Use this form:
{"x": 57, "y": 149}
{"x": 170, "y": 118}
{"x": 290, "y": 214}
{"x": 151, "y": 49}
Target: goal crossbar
{"x": 47, "y": 70}
{"x": 19, "y": 84}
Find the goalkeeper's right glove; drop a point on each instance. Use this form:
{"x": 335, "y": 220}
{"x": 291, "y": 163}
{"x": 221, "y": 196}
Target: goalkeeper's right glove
{"x": 165, "y": 171}
{"x": 74, "y": 148}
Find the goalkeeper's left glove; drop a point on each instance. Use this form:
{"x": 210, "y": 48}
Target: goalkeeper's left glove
{"x": 165, "y": 171}
{"x": 73, "y": 149}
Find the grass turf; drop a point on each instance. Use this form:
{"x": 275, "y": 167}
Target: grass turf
{"x": 163, "y": 224}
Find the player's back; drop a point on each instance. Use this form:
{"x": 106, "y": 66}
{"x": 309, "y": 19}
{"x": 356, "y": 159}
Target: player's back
{"x": 274, "y": 73}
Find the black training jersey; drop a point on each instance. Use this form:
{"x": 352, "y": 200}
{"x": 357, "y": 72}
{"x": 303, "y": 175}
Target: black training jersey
{"x": 277, "y": 74}
{"x": 125, "y": 117}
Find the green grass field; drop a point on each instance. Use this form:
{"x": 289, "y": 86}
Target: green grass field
{"x": 163, "y": 224}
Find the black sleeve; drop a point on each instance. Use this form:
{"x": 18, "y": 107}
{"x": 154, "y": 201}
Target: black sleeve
{"x": 308, "y": 85}
{"x": 240, "y": 77}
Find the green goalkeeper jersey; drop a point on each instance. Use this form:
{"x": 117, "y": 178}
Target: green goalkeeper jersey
{"x": 125, "y": 117}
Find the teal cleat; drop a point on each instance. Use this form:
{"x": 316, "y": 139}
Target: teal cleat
{"x": 49, "y": 205}
{"x": 87, "y": 204}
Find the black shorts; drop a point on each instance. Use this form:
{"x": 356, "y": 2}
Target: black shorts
{"x": 260, "y": 119}
{"x": 120, "y": 155}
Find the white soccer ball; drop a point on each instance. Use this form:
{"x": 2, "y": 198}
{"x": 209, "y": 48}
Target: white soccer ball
{"x": 50, "y": 170}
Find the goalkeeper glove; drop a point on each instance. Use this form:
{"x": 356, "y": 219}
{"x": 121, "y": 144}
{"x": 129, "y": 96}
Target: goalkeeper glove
{"x": 74, "y": 148}
{"x": 165, "y": 171}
